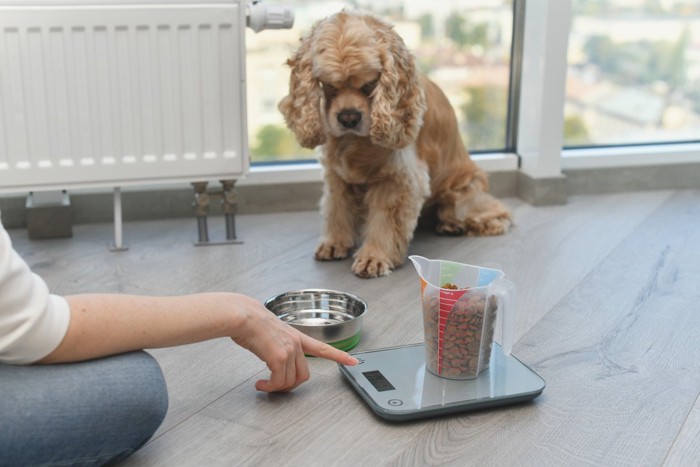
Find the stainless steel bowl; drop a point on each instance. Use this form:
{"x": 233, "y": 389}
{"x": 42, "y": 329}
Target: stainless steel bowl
{"x": 327, "y": 315}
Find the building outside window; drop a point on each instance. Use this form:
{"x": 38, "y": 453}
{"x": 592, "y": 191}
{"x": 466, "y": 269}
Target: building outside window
{"x": 634, "y": 73}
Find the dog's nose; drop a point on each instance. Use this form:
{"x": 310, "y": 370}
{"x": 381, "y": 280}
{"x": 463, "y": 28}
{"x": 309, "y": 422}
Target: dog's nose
{"x": 349, "y": 118}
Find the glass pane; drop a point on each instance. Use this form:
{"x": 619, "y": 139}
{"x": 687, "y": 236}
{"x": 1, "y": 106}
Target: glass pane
{"x": 634, "y": 72}
{"x": 463, "y": 45}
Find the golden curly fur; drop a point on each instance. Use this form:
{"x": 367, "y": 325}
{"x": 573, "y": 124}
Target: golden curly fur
{"x": 391, "y": 145}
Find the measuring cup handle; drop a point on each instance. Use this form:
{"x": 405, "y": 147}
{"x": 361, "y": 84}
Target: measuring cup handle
{"x": 506, "y": 292}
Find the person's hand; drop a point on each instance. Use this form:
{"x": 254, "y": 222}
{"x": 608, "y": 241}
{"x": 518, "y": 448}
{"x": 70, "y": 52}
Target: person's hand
{"x": 280, "y": 346}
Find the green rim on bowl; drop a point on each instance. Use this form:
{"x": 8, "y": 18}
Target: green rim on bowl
{"x": 347, "y": 344}
{"x": 344, "y": 345}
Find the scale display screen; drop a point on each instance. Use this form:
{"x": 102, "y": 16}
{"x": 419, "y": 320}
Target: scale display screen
{"x": 397, "y": 387}
{"x": 377, "y": 379}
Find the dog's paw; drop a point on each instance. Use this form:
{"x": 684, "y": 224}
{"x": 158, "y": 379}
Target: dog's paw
{"x": 488, "y": 226}
{"x": 328, "y": 251}
{"x": 370, "y": 266}
{"x": 449, "y": 228}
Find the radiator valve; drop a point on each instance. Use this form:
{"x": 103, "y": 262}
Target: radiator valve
{"x": 263, "y": 16}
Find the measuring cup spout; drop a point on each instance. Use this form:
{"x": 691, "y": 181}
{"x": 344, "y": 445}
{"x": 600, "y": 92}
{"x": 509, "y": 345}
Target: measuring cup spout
{"x": 419, "y": 263}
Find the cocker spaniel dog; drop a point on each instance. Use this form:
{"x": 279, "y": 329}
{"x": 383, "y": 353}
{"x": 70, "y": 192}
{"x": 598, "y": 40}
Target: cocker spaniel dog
{"x": 391, "y": 146}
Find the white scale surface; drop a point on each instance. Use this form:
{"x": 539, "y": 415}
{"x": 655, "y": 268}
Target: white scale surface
{"x": 397, "y": 387}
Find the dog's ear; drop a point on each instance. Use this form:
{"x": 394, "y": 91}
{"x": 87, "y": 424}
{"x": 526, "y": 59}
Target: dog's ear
{"x": 301, "y": 107}
{"x": 399, "y": 100}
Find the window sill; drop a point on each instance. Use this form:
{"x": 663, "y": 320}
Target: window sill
{"x": 630, "y": 156}
{"x": 312, "y": 172}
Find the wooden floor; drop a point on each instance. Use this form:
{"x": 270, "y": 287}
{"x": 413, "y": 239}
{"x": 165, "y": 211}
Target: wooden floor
{"x": 608, "y": 315}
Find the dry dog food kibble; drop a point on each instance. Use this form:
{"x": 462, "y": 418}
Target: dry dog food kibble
{"x": 466, "y": 338}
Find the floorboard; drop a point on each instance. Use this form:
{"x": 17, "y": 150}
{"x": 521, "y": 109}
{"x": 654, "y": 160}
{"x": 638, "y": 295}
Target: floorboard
{"x": 686, "y": 449}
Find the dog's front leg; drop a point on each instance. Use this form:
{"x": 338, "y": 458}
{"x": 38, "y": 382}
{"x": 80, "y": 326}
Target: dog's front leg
{"x": 340, "y": 215}
{"x": 393, "y": 210}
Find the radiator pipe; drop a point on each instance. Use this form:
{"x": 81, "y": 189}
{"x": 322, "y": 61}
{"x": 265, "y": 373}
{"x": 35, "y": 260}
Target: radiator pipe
{"x": 201, "y": 210}
{"x": 118, "y": 244}
{"x": 229, "y": 205}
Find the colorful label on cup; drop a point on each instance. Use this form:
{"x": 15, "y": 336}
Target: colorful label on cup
{"x": 448, "y": 299}
{"x": 448, "y": 272}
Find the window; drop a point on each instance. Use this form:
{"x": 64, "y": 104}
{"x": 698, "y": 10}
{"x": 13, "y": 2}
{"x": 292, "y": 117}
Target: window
{"x": 463, "y": 45}
{"x": 634, "y": 73}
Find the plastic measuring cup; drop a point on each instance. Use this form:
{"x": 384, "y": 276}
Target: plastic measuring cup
{"x": 460, "y": 305}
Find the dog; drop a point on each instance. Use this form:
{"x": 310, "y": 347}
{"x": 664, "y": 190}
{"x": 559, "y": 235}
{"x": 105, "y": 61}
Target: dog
{"x": 391, "y": 145}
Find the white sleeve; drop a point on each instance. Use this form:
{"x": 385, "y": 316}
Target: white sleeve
{"x": 33, "y": 322}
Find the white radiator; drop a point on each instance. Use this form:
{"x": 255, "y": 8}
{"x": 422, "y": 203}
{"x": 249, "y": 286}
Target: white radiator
{"x": 108, "y": 95}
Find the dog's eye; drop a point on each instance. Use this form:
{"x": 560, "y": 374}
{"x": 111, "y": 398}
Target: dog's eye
{"x": 329, "y": 90}
{"x": 368, "y": 88}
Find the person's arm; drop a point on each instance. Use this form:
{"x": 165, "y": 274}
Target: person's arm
{"x": 106, "y": 324}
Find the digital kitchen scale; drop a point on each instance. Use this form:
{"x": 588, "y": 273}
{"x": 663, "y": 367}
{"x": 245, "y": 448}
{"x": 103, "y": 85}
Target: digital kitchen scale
{"x": 396, "y": 385}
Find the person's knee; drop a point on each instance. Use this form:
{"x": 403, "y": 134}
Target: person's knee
{"x": 154, "y": 374}
{"x": 151, "y": 393}
{"x": 148, "y": 406}
{"x": 145, "y": 404}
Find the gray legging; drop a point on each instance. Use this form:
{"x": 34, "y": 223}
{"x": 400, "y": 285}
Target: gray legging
{"x": 87, "y": 413}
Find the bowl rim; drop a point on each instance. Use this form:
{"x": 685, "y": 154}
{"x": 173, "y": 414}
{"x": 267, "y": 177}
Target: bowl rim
{"x": 355, "y": 297}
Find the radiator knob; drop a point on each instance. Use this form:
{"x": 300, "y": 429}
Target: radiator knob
{"x": 261, "y": 16}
